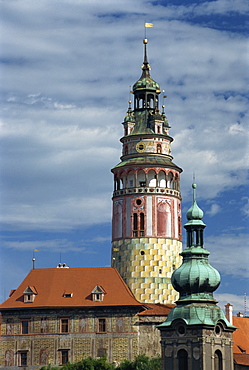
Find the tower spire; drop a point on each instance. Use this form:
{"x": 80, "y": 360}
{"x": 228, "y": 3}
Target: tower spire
{"x": 196, "y": 314}
{"x": 146, "y": 228}
{"x": 146, "y": 66}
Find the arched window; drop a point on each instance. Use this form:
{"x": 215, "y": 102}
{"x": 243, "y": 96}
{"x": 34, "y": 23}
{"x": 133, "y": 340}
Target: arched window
{"x": 162, "y": 179}
{"x": 141, "y": 224}
{"x": 217, "y": 360}
{"x": 135, "y": 224}
{"x": 152, "y": 178}
{"x": 159, "y": 148}
{"x": 182, "y": 359}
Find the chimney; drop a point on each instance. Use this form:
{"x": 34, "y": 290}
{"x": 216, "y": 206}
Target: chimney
{"x": 240, "y": 314}
{"x": 229, "y": 312}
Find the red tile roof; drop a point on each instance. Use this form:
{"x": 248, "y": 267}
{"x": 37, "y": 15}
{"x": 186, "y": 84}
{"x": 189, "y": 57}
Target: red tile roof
{"x": 157, "y": 309}
{"x": 241, "y": 335}
{"x": 241, "y": 358}
{"x": 52, "y": 284}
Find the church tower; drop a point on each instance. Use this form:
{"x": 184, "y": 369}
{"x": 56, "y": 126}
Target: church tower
{"x": 196, "y": 334}
{"x": 146, "y": 225}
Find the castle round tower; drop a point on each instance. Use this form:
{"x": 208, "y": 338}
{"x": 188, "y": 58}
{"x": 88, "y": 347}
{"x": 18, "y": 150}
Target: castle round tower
{"x": 146, "y": 225}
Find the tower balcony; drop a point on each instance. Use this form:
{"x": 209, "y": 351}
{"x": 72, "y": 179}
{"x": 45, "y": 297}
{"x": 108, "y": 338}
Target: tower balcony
{"x": 147, "y": 190}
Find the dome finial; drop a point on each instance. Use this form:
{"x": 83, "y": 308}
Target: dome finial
{"x": 145, "y": 66}
{"x": 194, "y": 212}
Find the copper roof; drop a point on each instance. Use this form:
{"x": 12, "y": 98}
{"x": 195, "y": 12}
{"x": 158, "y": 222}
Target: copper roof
{"x": 241, "y": 335}
{"x": 53, "y": 284}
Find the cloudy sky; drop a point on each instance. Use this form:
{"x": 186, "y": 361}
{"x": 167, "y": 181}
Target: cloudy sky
{"x": 66, "y": 71}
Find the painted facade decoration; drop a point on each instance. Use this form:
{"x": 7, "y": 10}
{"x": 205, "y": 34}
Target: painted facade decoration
{"x": 146, "y": 199}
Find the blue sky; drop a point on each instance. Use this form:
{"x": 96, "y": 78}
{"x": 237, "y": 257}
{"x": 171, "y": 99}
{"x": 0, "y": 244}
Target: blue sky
{"x": 66, "y": 71}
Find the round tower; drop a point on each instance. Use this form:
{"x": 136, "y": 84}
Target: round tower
{"x": 146, "y": 224}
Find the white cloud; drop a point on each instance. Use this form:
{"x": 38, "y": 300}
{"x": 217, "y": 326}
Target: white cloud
{"x": 229, "y": 254}
{"x": 215, "y": 208}
{"x": 66, "y": 85}
{"x": 236, "y": 300}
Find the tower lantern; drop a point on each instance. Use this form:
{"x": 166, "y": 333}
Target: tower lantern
{"x": 146, "y": 225}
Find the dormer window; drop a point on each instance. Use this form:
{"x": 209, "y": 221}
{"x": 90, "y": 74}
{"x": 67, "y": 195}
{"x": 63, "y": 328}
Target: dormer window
{"x": 98, "y": 294}
{"x": 67, "y": 295}
{"x": 29, "y": 294}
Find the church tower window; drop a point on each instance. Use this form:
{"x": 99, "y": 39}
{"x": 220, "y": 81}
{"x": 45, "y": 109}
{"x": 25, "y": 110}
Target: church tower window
{"x": 218, "y": 360}
{"x": 182, "y": 359}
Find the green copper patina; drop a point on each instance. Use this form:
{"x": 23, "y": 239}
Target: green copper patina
{"x": 145, "y": 81}
{"x": 147, "y": 160}
{"x": 196, "y": 279}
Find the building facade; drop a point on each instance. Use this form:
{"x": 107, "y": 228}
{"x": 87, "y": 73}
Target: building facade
{"x": 146, "y": 225}
{"x": 66, "y": 314}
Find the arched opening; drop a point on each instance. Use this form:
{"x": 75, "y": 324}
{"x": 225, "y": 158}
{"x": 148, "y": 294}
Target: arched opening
{"x": 182, "y": 359}
{"x": 152, "y": 178}
{"x": 170, "y": 181}
{"x": 150, "y": 101}
{"x": 130, "y": 180}
{"x": 159, "y": 148}
{"x": 126, "y": 148}
{"x": 123, "y": 181}
{"x": 162, "y": 179}
{"x": 141, "y": 178}
{"x": 141, "y": 224}
{"x": 218, "y": 360}
{"x": 135, "y": 225}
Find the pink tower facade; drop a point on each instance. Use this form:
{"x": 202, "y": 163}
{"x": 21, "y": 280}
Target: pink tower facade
{"x": 146, "y": 225}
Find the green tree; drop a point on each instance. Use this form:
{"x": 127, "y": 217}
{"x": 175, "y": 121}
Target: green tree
{"x": 142, "y": 362}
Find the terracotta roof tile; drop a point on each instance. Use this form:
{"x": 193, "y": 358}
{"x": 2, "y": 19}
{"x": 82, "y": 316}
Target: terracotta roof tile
{"x": 241, "y": 358}
{"x": 52, "y": 284}
{"x": 240, "y": 335}
{"x": 157, "y": 309}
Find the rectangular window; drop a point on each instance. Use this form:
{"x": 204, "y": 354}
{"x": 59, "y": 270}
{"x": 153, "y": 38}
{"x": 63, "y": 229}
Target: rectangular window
{"x": 64, "y": 356}
{"x": 23, "y": 358}
{"x": 131, "y": 183}
{"x": 102, "y": 325}
{"x": 64, "y": 325}
{"x": 44, "y": 325}
{"x": 25, "y": 326}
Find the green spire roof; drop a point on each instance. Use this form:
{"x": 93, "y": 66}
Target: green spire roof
{"x": 196, "y": 279}
{"x": 194, "y": 212}
{"x": 145, "y": 81}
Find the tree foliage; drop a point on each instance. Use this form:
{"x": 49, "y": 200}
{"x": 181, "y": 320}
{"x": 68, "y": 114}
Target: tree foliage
{"x": 141, "y": 362}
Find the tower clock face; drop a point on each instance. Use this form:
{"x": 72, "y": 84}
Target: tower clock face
{"x": 140, "y": 147}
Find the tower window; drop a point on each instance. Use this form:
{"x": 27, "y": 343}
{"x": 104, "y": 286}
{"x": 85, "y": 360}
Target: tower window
{"x": 126, "y": 131}
{"x": 142, "y": 183}
{"x": 217, "y": 360}
{"x": 142, "y": 253}
{"x": 159, "y": 148}
{"x": 138, "y": 202}
{"x": 135, "y": 223}
{"x": 182, "y": 359}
